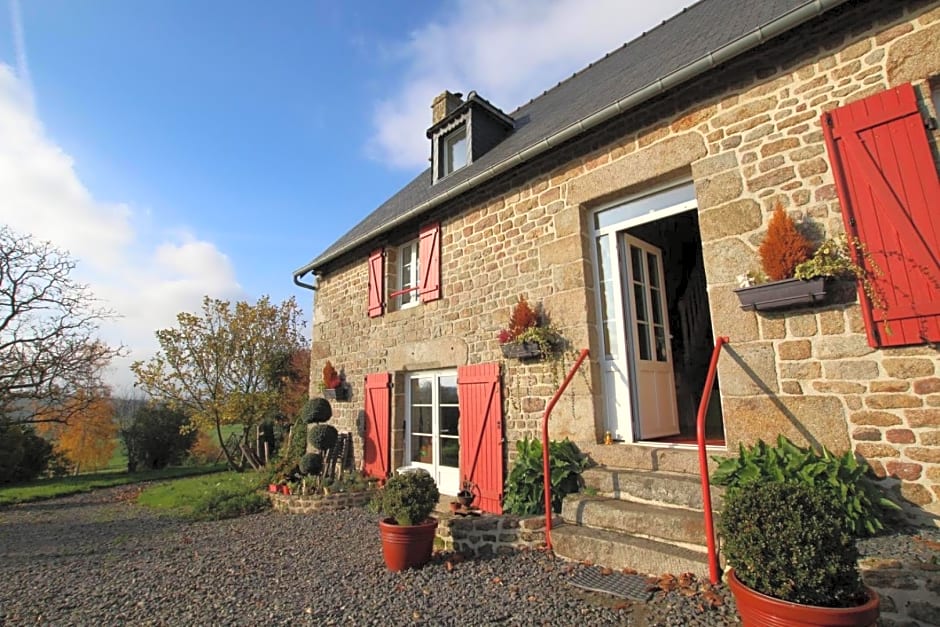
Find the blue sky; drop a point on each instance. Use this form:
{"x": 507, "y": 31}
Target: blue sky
{"x": 180, "y": 148}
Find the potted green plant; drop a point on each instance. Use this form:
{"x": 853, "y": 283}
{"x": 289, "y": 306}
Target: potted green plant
{"x": 529, "y": 335}
{"x": 407, "y": 531}
{"x": 793, "y": 557}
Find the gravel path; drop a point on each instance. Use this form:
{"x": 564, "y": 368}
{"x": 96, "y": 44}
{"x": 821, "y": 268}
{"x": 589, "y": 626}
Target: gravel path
{"x": 99, "y": 559}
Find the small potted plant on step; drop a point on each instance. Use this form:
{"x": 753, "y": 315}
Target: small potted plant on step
{"x": 407, "y": 531}
{"x": 793, "y": 557}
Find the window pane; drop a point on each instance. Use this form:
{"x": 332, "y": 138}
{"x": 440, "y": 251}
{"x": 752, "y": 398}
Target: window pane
{"x": 422, "y": 422}
{"x": 643, "y": 340}
{"x": 450, "y": 452}
{"x": 421, "y": 449}
{"x": 450, "y": 417}
{"x": 421, "y": 391}
{"x": 456, "y": 150}
{"x": 448, "y": 390}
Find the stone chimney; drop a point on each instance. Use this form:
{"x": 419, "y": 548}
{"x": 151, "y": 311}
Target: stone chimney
{"x": 444, "y": 105}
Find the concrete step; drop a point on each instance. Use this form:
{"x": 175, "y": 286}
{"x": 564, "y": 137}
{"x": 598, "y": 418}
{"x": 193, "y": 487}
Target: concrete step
{"x": 669, "y": 488}
{"x": 670, "y": 524}
{"x": 619, "y": 551}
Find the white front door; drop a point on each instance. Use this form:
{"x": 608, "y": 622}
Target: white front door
{"x": 654, "y": 389}
{"x": 432, "y": 425}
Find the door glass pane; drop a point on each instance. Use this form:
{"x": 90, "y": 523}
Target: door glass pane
{"x": 448, "y": 390}
{"x": 643, "y": 340}
{"x": 421, "y": 392}
{"x": 421, "y": 449}
{"x": 660, "y": 343}
{"x": 450, "y": 452}
{"x": 422, "y": 420}
{"x": 450, "y": 416}
{"x": 639, "y": 302}
{"x": 653, "y": 269}
{"x": 656, "y": 306}
{"x": 605, "y": 274}
{"x": 648, "y": 204}
{"x": 636, "y": 259}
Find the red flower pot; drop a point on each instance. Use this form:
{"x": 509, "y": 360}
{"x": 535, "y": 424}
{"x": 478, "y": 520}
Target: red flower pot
{"x": 285, "y": 489}
{"x": 272, "y": 487}
{"x": 759, "y": 610}
{"x": 407, "y": 546}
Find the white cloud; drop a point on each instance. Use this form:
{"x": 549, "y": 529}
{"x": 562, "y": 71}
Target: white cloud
{"x": 508, "y": 51}
{"x": 147, "y": 275}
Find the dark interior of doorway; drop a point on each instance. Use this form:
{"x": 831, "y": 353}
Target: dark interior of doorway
{"x": 689, "y": 320}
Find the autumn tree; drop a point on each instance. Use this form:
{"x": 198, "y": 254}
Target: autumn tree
{"x": 49, "y": 351}
{"x": 289, "y": 374}
{"x": 215, "y": 365}
{"x": 88, "y": 441}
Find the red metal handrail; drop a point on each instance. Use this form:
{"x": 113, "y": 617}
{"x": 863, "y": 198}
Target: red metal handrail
{"x": 546, "y": 475}
{"x": 703, "y": 460}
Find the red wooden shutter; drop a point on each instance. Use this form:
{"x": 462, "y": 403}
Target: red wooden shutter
{"x": 429, "y": 263}
{"x": 481, "y": 432}
{"x": 377, "y": 431}
{"x": 376, "y": 283}
{"x": 890, "y": 194}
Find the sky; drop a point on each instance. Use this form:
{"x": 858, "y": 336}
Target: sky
{"x": 184, "y": 148}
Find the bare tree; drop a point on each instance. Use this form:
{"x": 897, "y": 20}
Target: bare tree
{"x": 49, "y": 351}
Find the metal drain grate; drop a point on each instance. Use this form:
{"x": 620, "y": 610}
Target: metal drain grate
{"x": 633, "y": 587}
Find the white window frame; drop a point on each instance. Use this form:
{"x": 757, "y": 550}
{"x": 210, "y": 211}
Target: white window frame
{"x": 448, "y": 143}
{"x": 446, "y": 477}
{"x": 409, "y": 252}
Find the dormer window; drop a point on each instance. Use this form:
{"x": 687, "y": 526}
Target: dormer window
{"x": 456, "y": 150}
{"x": 462, "y": 131}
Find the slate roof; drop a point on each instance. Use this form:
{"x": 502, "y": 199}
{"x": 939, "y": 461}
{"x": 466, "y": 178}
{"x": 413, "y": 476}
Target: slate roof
{"x": 689, "y": 37}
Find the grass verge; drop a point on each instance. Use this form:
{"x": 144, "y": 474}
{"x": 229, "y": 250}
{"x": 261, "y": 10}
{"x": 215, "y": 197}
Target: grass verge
{"x": 209, "y": 497}
{"x": 63, "y": 486}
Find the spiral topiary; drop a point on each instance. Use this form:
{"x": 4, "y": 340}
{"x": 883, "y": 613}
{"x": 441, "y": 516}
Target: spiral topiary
{"x": 311, "y": 464}
{"x": 322, "y": 437}
{"x": 316, "y": 410}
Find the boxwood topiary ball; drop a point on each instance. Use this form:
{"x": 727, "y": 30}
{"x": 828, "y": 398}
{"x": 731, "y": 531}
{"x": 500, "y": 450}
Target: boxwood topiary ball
{"x": 322, "y": 437}
{"x": 311, "y": 464}
{"x": 316, "y": 410}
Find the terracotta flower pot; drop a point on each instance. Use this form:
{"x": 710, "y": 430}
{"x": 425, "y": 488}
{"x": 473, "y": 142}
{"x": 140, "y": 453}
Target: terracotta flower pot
{"x": 760, "y": 610}
{"x": 407, "y": 546}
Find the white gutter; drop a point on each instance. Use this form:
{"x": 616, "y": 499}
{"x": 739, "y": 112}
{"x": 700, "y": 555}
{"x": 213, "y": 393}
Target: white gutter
{"x": 751, "y": 40}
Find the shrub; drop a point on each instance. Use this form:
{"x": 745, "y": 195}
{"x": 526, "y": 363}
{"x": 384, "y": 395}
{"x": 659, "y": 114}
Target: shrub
{"x": 23, "y": 454}
{"x": 316, "y": 410}
{"x": 311, "y": 464}
{"x": 221, "y": 505}
{"x": 322, "y": 437}
{"x": 863, "y": 505}
{"x": 157, "y": 437}
{"x": 784, "y": 247}
{"x": 408, "y": 497}
{"x": 789, "y": 541}
{"x": 525, "y": 487}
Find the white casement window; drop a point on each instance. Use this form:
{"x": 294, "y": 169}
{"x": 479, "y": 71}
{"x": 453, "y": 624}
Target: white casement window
{"x": 408, "y": 273}
{"x": 456, "y": 150}
{"x": 433, "y": 434}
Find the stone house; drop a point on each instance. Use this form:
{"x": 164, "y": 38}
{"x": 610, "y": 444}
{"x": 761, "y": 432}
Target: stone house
{"x": 627, "y": 201}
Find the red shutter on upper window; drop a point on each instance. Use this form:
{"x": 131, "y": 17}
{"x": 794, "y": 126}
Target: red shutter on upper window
{"x": 481, "y": 433}
{"x": 376, "y": 282}
{"x": 890, "y": 194}
{"x": 377, "y": 428}
{"x": 429, "y": 263}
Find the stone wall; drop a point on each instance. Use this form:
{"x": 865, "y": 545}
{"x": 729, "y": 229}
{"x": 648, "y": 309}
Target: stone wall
{"x": 748, "y": 136}
{"x": 482, "y": 536}
{"x": 310, "y": 503}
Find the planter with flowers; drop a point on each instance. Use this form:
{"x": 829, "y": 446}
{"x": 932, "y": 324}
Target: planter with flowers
{"x": 530, "y": 335}
{"x": 333, "y": 386}
{"x": 795, "y": 272}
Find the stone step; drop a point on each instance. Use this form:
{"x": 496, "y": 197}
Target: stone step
{"x": 619, "y": 551}
{"x": 668, "y": 488}
{"x": 669, "y": 524}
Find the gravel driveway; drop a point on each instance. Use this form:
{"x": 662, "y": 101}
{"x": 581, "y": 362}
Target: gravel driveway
{"x": 99, "y": 559}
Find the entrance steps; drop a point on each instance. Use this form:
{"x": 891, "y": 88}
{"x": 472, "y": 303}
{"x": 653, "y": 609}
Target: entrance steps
{"x": 648, "y": 521}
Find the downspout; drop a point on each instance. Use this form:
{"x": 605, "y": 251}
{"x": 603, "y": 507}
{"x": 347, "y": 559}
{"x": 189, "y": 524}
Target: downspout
{"x": 309, "y": 286}
{"x": 707, "y": 62}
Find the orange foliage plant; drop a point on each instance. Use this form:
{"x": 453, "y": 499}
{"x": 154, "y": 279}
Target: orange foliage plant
{"x": 784, "y": 247}
{"x": 89, "y": 438}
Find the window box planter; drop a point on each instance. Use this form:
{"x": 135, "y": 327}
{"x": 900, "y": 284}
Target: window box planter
{"x": 336, "y": 394}
{"x": 521, "y": 350}
{"x": 782, "y": 294}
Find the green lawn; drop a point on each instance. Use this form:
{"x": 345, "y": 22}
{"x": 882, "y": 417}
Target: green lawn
{"x": 63, "y": 486}
{"x": 209, "y": 497}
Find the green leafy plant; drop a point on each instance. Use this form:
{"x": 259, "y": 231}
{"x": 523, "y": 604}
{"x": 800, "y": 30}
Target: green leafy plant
{"x": 408, "y": 497}
{"x": 316, "y": 410}
{"x": 311, "y": 464}
{"x": 863, "y": 504}
{"x": 790, "y": 541}
{"x": 322, "y": 437}
{"x": 525, "y": 487}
